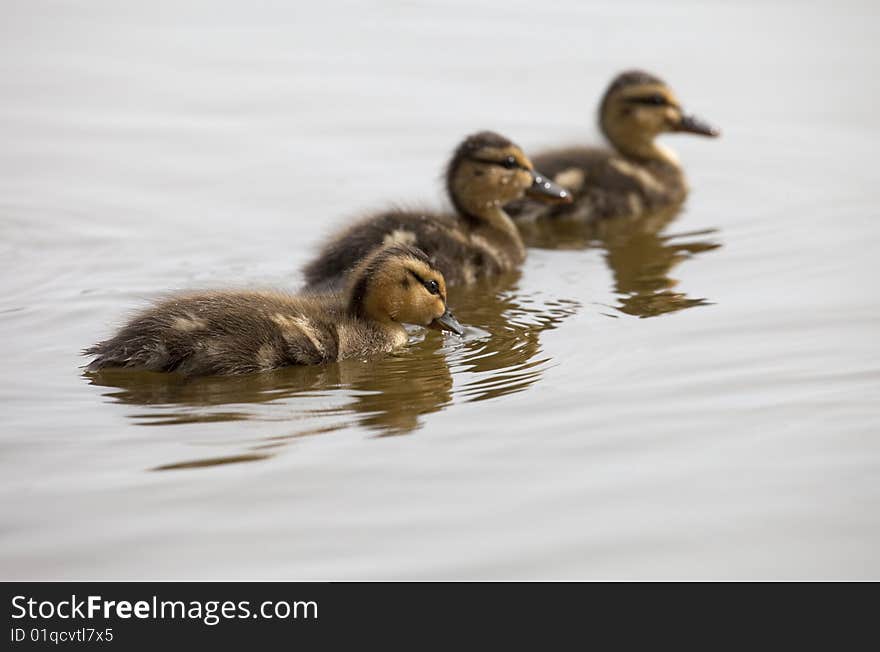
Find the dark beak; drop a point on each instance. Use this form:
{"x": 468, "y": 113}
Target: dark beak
{"x": 545, "y": 190}
{"x": 447, "y": 322}
{"x": 693, "y": 125}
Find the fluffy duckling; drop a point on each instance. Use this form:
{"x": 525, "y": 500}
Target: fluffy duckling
{"x": 638, "y": 175}
{"x": 486, "y": 172}
{"x": 240, "y": 332}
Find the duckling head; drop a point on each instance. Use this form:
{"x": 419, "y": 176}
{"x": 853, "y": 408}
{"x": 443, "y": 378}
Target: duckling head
{"x": 638, "y": 107}
{"x": 400, "y": 284}
{"x": 488, "y": 171}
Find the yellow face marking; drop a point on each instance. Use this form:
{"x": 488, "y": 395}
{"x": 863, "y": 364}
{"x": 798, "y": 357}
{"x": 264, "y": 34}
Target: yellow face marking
{"x": 631, "y": 120}
{"x": 424, "y": 306}
{"x": 486, "y": 180}
{"x": 395, "y": 294}
{"x": 430, "y": 274}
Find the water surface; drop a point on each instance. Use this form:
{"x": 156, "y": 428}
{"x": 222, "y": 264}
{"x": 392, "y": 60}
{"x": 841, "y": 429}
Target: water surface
{"x": 693, "y": 396}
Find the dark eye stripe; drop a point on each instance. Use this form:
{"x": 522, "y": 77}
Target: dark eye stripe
{"x": 649, "y": 100}
{"x": 431, "y": 286}
{"x": 509, "y": 163}
{"x": 416, "y": 276}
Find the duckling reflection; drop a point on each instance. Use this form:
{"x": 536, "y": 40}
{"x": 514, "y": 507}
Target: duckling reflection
{"x": 387, "y": 396}
{"x": 394, "y": 395}
{"x": 641, "y": 264}
{"x": 388, "y": 393}
{"x": 639, "y": 254}
{"x": 510, "y": 361}
{"x": 177, "y": 400}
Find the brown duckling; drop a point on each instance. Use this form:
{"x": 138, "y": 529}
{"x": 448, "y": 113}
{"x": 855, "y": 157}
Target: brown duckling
{"x": 486, "y": 172}
{"x": 636, "y": 176}
{"x": 240, "y": 332}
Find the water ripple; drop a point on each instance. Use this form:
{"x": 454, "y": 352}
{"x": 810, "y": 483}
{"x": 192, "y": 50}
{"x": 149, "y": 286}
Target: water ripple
{"x": 499, "y": 355}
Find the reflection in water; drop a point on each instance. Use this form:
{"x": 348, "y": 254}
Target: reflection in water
{"x": 639, "y": 255}
{"x": 641, "y": 264}
{"x": 213, "y": 461}
{"x": 509, "y": 360}
{"x": 499, "y": 355}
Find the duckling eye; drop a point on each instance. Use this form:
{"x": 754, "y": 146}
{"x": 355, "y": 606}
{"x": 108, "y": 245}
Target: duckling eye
{"x": 650, "y": 100}
{"x": 509, "y": 162}
{"x": 432, "y": 286}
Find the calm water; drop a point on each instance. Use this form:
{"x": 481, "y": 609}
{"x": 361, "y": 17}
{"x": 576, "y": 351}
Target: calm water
{"x": 696, "y": 396}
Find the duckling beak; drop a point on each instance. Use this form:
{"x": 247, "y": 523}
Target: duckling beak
{"x": 693, "y": 125}
{"x": 547, "y": 191}
{"x": 447, "y": 322}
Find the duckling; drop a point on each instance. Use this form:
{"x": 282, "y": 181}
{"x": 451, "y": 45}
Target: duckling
{"x": 486, "y": 172}
{"x": 638, "y": 175}
{"x": 240, "y": 332}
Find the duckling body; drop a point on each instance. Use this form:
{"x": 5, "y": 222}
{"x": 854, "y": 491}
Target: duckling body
{"x": 465, "y": 255}
{"x": 636, "y": 175}
{"x": 240, "y": 332}
{"x": 605, "y": 185}
{"x": 479, "y": 240}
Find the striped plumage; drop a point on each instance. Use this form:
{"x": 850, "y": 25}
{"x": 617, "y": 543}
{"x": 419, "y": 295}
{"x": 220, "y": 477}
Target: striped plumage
{"x": 636, "y": 175}
{"x": 486, "y": 172}
{"x": 239, "y": 332}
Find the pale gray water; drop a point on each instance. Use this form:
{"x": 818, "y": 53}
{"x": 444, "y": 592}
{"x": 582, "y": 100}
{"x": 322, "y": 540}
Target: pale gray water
{"x": 185, "y": 144}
